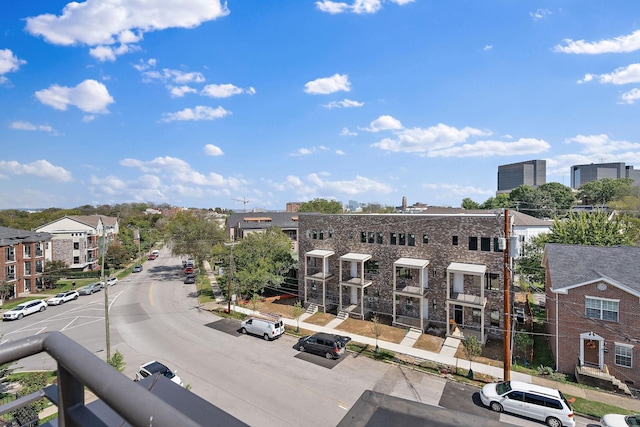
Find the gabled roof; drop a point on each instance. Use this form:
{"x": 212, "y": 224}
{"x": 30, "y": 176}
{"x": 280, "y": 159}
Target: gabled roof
{"x": 523, "y": 220}
{"x": 577, "y": 265}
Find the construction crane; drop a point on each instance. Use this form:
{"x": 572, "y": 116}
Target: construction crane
{"x": 244, "y": 203}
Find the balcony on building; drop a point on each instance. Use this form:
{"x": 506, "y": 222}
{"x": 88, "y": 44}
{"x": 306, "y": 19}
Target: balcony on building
{"x": 317, "y": 277}
{"x": 466, "y": 302}
{"x": 352, "y": 283}
{"x": 410, "y": 282}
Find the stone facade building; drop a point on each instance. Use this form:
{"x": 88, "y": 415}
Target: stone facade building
{"x": 440, "y": 270}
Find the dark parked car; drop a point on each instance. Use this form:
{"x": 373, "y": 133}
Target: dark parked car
{"x": 191, "y": 278}
{"x": 328, "y": 345}
{"x": 137, "y": 269}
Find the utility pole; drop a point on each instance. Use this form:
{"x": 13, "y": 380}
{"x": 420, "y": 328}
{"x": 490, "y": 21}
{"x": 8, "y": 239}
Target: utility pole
{"x": 230, "y": 274}
{"x": 507, "y": 301}
{"x": 106, "y": 292}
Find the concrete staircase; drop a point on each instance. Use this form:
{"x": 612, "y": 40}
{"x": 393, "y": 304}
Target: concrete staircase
{"x": 312, "y": 309}
{"x": 602, "y": 379}
{"x": 343, "y": 315}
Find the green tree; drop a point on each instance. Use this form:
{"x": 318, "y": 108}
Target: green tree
{"x": 376, "y": 328}
{"x": 629, "y": 205}
{"x": 522, "y": 341}
{"x": 321, "y": 206}
{"x": 191, "y": 234}
{"x": 53, "y": 271}
{"x": 117, "y": 255}
{"x": 602, "y": 191}
{"x": 472, "y": 348}
{"x": 262, "y": 259}
{"x": 467, "y": 203}
{"x": 552, "y": 200}
{"x": 500, "y": 201}
{"x": 296, "y": 310}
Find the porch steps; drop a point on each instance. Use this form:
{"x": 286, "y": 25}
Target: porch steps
{"x": 343, "y": 315}
{"x": 312, "y": 309}
{"x": 588, "y": 371}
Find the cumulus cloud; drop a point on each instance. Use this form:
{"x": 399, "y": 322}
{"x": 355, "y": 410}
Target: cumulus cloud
{"x": 540, "y": 14}
{"x": 357, "y": 6}
{"x": 225, "y": 90}
{"x": 200, "y": 112}
{"x": 347, "y": 132}
{"x": 113, "y": 27}
{"x": 19, "y": 125}
{"x": 180, "y": 91}
{"x": 620, "y": 44}
{"x": 384, "y": 123}
{"x": 212, "y": 150}
{"x": 89, "y": 96}
{"x": 459, "y": 190}
{"x": 178, "y": 77}
{"x": 487, "y": 47}
{"x": 39, "y": 168}
{"x": 630, "y": 97}
{"x": 620, "y": 76}
{"x": 358, "y": 185}
{"x": 601, "y": 144}
{"x": 520, "y": 147}
{"x": 345, "y": 103}
{"x": 9, "y": 63}
{"x": 327, "y": 85}
{"x": 308, "y": 151}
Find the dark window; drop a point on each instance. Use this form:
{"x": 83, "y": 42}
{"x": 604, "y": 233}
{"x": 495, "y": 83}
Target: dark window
{"x": 379, "y": 238}
{"x": 330, "y": 233}
{"x": 321, "y": 235}
{"x": 485, "y": 244}
{"x": 351, "y": 234}
{"x": 402, "y": 239}
{"x": 372, "y": 237}
{"x": 393, "y": 239}
{"x": 454, "y": 241}
{"x": 404, "y": 273}
{"x": 516, "y": 395}
{"x": 492, "y": 281}
{"x": 371, "y": 267}
{"x": 76, "y": 245}
{"x": 425, "y": 238}
{"x": 363, "y": 237}
{"x": 412, "y": 239}
{"x": 473, "y": 243}
{"x": 314, "y": 234}
{"x": 552, "y": 403}
{"x": 534, "y": 399}
{"x": 496, "y": 245}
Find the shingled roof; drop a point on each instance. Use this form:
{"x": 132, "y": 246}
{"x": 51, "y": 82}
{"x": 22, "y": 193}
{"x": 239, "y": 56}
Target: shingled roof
{"x": 573, "y": 265}
{"x": 13, "y": 236}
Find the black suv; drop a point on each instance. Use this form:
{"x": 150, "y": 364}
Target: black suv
{"x": 328, "y": 345}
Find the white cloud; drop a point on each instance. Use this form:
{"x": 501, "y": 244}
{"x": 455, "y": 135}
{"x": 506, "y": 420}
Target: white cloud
{"x": 620, "y": 76}
{"x": 116, "y": 24}
{"x": 225, "y": 90}
{"x": 345, "y": 103}
{"x": 9, "y": 63}
{"x": 212, "y": 150}
{"x": 487, "y": 47}
{"x": 168, "y": 75}
{"x": 31, "y": 127}
{"x": 620, "y": 44}
{"x": 39, "y": 168}
{"x": 520, "y": 147}
{"x": 630, "y": 97}
{"x": 180, "y": 91}
{"x": 327, "y": 85}
{"x": 358, "y": 185}
{"x": 198, "y": 113}
{"x": 308, "y": 151}
{"x": 384, "y": 123}
{"x": 459, "y": 190}
{"x": 340, "y": 153}
{"x": 358, "y": 6}
{"x": 347, "y": 132}
{"x": 419, "y": 140}
{"x": 540, "y": 14}
{"x": 601, "y": 144}
{"x": 89, "y": 96}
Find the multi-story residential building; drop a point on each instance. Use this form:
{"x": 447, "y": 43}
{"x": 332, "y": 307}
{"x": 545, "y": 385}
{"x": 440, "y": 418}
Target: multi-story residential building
{"x": 77, "y": 239}
{"x": 238, "y": 225}
{"x": 426, "y": 270}
{"x": 592, "y": 295}
{"x": 582, "y": 174}
{"x": 22, "y": 260}
{"x": 532, "y": 173}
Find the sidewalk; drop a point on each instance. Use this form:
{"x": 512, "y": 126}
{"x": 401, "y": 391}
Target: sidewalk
{"x": 446, "y": 357}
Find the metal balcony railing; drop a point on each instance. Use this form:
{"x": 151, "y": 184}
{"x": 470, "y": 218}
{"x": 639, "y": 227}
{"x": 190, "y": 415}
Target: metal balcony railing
{"x": 154, "y": 401}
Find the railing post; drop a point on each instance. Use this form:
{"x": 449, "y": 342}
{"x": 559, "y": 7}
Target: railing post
{"x": 70, "y": 395}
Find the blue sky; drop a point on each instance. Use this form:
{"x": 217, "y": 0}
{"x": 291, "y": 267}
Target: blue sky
{"x": 198, "y": 103}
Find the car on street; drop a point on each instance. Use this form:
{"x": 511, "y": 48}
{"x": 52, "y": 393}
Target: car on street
{"x": 529, "y": 400}
{"x": 619, "y": 420}
{"x": 91, "y": 288}
{"x": 328, "y": 345}
{"x": 155, "y": 367}
{"x": 267, "y": 327}
{"x": 190, "y": 279}
{"x": 63, "y": 297}
{"x": 137, "y": 269}
{"x": 188, "y": 270}
{"x": 112, "y": 281}
{"x": 151, "y": 257}
{"x": 24, "y": 309}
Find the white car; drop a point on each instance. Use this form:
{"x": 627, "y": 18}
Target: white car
{"x": 618, "y": 420}
{"x": 155, "y": 367}
{"x": 25, "y": 309}
{"x": 112, "y": 281}
{"x": 63, "y": 297}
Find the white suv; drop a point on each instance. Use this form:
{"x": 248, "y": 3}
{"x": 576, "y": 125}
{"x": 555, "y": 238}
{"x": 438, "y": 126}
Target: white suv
{"x": 155, "y": 367}
{"x": 25, "y": 309}
{"x": 529, "y": 400}
{"x": 63, "y": 297}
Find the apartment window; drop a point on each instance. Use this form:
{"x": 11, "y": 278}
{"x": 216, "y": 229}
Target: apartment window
{"x": 330, "y": 233}
{"x": 624, "y": 355}
{"x": 403, "y": 273}
{"x": 351, "y": 234}
{"x": 495, "y": 317}
{"x": 473, "y": 243}
{"x": 372, "y": 237}
{"x": 402, "y": 239}
{"x": 39, "y": 266}
{"x": 496, "y": 245}
{"x": 485, "y": 244}
{"x": 9, "y": 254}
{"x": 76, "y": 245}
{"x": 393, "y": 239}
{"x": 603, "y": 309}
{"x": 27, "y": 285}
{"x": 363, "y": 237}
{"x": 371, "y": 267}
{"x": 454, "y": 240}
{"x": 379, "y": 238}
{"x": 27, "y": 251}
{"x": 492, "y": 281}
{"x": 425, "y": 239}
{"x": 321, "y": 235}
{"x": 10, "y": 272}
{"x": 76, "y": 260}
{"x": 27, "y": 268}
{"x": 412, "y": 239}
{"x": 314, "y": 234}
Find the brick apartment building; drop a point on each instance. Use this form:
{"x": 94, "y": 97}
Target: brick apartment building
{"x": 22, "y": 260}
{"x": 423, "y": 270}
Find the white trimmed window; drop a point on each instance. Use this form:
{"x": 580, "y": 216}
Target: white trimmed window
{"x": 624, "y": 355}
{"x": 603, "y": 309}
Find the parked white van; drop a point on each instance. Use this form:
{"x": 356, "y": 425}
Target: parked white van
{"x": 529, "y": 400}
{"x": 268, "y": 327}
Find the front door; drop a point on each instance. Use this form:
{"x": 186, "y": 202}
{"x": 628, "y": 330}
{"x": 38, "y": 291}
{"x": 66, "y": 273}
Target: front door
{"x": 591, "y": 351}
{"x": 457, "y": 314}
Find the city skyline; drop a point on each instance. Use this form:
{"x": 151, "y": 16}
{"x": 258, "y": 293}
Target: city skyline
{"x": 255, "y": 104}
